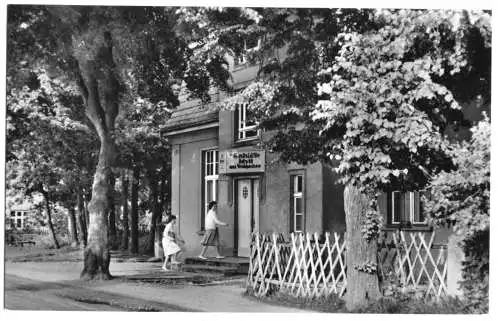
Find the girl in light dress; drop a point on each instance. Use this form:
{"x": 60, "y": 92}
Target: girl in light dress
{"x": 171, "y": 249}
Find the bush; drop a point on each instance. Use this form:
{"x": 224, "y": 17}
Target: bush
{"x": 475, "y": 272}
{"x": 403, "y": 302}
{"x": 46, "y": 241}
{"x": 412, "y": 306}
{"x": 462, "y": 198}
{"x": 331, "y": 303}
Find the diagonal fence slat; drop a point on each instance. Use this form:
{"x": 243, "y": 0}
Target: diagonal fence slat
{"x": 309, "y": 266}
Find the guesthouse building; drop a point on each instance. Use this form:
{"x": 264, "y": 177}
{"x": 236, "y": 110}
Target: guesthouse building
{"x": 216, "y": 156}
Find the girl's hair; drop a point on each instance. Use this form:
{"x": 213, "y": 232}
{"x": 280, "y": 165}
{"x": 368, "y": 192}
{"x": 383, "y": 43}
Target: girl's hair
{"x": 211, "y": 204}
{"x": 171, "y": 218}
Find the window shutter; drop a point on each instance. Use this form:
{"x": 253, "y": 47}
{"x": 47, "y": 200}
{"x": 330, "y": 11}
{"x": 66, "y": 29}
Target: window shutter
{"x": 290, "y": 197}
{"x": 389, "y": 207}
{"x": 416, "y": 207}
{"x": 236, "y": 122}
{"x": 405, "y": 217}
{"x": 203, "y": 173}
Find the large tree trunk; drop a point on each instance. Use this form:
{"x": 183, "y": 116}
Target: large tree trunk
{"x": 72, "y": 225}
{"x": 96, "y": 254}
{"x": 82, "y": 221}
{"x": 134, "y": 215}
{"x": 361, "y": 286}
{"x": 126, "y": 229}
{"x": 100, "y": 90}
{"x": 112, "y": 212}
{"x": 49, "y": 217}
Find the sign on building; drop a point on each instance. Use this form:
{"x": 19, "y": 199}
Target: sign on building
{"x": 233, "y": 161}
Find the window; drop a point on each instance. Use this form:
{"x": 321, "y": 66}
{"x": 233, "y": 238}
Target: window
{"x": 405, "y": 208}
{"x": 251, "y": 43}
{"x": 17, "y": 218}
{"x": 297, "y": 203}
{"x": 210, "y": 161}
{"x": 247, "y": 125}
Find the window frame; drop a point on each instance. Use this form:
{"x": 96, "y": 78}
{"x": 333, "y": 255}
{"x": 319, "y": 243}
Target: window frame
{"x": 295, "y": 194}
{"x": 407, "y": 218}
{"x": 210, "y": 173}
{"x": 393, "y": 222}
{"x": 241, "y": 59}
{"x": 412, "y": 208}
{"x": 242, "y": 127}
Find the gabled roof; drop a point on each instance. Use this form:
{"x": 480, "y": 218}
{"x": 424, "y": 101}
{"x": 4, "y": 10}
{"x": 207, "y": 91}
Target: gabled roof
{"x": 185, "y": 118}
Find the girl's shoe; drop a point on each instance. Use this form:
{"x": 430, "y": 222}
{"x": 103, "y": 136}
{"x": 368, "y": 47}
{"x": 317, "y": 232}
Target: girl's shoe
{"x": 202, "y": 257}
{"x": 164, "y": 269}
{"x": 220, "y": 257}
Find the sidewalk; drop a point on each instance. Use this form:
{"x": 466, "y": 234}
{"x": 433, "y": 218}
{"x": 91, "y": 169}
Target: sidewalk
{"x": 209, "y": 298}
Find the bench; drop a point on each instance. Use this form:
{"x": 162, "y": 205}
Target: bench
{"x": 25, "y": 239}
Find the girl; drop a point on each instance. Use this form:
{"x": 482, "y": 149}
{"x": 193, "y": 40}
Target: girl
{"x": 211, "y": 237}
{"x": 169, "y": 242}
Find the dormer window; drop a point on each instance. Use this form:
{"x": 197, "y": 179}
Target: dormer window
{"x": 251, "y": 43}
{"x": 246, "y": 123}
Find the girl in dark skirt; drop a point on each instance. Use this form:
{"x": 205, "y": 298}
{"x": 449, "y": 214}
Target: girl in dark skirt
{"x": 211, "y": 237}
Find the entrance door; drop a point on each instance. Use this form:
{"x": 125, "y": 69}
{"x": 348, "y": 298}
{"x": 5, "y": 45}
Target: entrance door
{"x": 248, "y": 213}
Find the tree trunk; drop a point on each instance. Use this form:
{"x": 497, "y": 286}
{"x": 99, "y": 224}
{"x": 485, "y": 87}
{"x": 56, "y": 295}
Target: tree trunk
{"x": 361, "y": 286}
{"x": 72, "y": 225}
{"x": 164, "y": 193}
{"x": 100, "y": 89}
{"x": 126, "y": 230}
{"x": 165, "y": 187}
{"x": 49, "y": 217}
{"x": 112, "y": 212}
{"x": 134, "y": 215}
{"x": 96, "y": 254}
{"x": 153, "y": 184}
{"x": 82, "y": 221}
{"x": 86, "y": 210}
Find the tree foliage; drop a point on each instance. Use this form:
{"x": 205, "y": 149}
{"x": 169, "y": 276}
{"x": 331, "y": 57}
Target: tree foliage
{"x": 376, "y": 93}
{"x": 461, "y": 198}
{"x": 49, "y": 142}
{"x": 374, "y": 89}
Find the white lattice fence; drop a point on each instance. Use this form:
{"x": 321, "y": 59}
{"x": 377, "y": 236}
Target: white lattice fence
{"x": 307, "y": 267}
{"x": 419, "y": 265}
{"x": 304, "y": 266}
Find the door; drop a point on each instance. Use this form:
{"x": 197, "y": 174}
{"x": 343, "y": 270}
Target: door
{"x": 248, "y": 213}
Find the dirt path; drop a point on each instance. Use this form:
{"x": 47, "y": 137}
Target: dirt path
{"x": 61, "y": 279}
{"x": 25, "y": 294}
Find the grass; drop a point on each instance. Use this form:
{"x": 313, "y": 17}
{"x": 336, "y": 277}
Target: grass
{"x": 386, "y": 305}
{"x": 43, "y": 253}
{"x": 119, "y": 301}
{"x": 330, "y": 304}
{"x": 115, "y": 304}
{"x": 40, "y": 254}
{"x": 413, "y": 306}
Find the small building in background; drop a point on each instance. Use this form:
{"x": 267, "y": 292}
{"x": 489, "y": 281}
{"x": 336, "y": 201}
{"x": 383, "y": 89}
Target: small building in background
{"x": 19, "y": 217}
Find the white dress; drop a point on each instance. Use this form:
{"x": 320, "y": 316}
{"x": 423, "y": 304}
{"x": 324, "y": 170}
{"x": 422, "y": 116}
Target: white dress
{"x": 168, "y": 241}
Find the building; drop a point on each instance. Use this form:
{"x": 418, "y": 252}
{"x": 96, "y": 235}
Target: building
{"x": 19, "y": 217}
{"x": 215, "y": 156}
